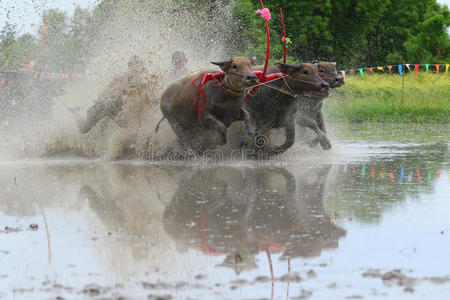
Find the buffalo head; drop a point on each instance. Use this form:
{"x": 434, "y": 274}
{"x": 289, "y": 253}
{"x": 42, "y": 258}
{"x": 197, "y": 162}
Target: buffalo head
{"x": 327, "y": 71}
{"x": 303, "y": 77}
{"x": 239, "y": 72}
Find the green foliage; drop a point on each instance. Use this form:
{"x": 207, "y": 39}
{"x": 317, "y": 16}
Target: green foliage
{"x": 352, "y": 33}
{"x": 67, "y": 43}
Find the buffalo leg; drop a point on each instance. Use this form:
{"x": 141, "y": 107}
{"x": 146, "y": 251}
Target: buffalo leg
{"x": 321, "y": 136}
{"x": 321, "y": 122}
{"x": 211, "y": 122}
{"x": 250, "y": 127}
{"x": 290, "y": 136}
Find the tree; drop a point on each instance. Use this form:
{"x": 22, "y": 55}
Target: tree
{"x": 8, "y": 35}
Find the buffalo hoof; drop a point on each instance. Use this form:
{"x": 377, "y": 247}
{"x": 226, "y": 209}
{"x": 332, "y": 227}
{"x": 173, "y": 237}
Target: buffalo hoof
{"x": 244, "y": 141}
{"x": 321, "y": 139}
{"x": 221, "y": 140}
{"x": 324, "y": 141}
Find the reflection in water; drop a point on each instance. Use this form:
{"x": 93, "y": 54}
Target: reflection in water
{"x": 367, "y": 190}
{"x": 240, "y": 212}
{"x": 128, "y": 223}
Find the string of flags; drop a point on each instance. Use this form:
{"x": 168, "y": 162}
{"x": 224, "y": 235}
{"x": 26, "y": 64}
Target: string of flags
{"x": 400, "y": 69}
{"x": 5, "y": 76}
{"x": 401, "y": 175}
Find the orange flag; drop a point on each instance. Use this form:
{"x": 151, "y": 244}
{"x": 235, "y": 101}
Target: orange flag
{"x": 371, "y": 70}
{"x": 437, "y": 68}
{"x": 416, "y": 67}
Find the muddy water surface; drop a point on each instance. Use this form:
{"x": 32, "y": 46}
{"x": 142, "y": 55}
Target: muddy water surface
{"x": 369, "y": 219}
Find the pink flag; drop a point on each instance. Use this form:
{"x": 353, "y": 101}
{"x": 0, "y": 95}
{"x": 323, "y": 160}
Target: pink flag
{"x": 390, "y": 68}
{"x": 416, "y": 67}
{"x": 265, "y": 13}
{"x": 352, "y": 71}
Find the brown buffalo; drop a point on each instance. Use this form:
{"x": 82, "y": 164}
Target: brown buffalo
{"x": 275, "y": 106}
{"x": 223, "y": 104}
{"x": 310, "y": 106}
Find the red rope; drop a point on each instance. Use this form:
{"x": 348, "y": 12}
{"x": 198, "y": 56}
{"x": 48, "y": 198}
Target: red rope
{"x": 271, "y": 271}
{"x": 44, "y": 48}
{"x": 284, "y": 35}
{"x": 268, "y": 43}
{"x": 199, "y": 106}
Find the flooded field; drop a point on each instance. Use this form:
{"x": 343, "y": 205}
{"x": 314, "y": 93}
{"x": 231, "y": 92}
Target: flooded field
{"x": 366, "y": 220}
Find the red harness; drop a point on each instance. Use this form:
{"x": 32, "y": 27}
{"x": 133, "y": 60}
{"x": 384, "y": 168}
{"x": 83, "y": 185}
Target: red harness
{"x": 203, "y": 79}
{"x": 262, "y": 78}
{"x": 199, "y": 106}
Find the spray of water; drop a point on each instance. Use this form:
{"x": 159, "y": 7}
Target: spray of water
{"x": 153, "y": 31}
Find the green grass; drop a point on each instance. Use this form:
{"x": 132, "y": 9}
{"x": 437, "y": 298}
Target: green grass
{"x": 378, "y": 98}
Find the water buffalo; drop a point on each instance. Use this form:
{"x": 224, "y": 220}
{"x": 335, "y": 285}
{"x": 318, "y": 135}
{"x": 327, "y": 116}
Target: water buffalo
{"x": 276, "y": 108}
{"x": 251, "y": 211}
{"x": 194, "y": 111}
{"x": 310, "y": 106}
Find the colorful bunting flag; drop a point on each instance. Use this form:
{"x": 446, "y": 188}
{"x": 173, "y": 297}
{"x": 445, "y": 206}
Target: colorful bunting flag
{"x": 427, "y": 66}
{"x": 437, "y": 68}
{"x": 390, "y": 68}
{"x": 416, "y": 67}
{"x": 391, "y": 176}
{"x": 380, "y": 69}
{"x": 352, "y": 71}
{"x": 361, "y": 71}
{"x": 343, "y": 74}
{"x": 371, "y": 70}
{"x": 407, "y": 65}
{"x": 400, "y": 68}
{"x": 402, "y": 174}
{"x": 446, "y": 67}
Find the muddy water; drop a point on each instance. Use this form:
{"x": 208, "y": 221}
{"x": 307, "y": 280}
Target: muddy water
{"x": 367, "y": 220}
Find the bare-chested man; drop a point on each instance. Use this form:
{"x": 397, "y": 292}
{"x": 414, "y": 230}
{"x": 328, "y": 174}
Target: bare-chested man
{"x": 112, "y": 100}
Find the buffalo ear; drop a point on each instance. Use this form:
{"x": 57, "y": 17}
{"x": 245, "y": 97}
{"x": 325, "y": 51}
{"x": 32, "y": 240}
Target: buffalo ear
{"x": 224, "y": 65}
{"x": 334, "y": 63}
{"x": 252, "y": 60}
{"x": 287, "y": 68}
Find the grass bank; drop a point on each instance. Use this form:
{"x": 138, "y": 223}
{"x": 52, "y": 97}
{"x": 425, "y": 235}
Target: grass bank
{"x": 378, "y": 98}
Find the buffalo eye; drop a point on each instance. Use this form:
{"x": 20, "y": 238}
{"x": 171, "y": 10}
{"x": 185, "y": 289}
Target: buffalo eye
{"x": 234, "y": 67}
{"x": 305, "y": 71}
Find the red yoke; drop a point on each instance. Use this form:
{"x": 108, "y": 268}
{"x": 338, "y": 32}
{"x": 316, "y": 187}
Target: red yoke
{"x": 199, "y": 106}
